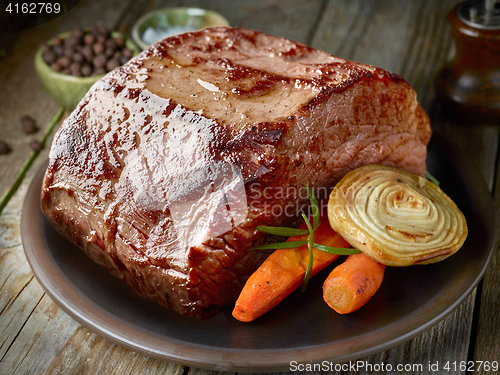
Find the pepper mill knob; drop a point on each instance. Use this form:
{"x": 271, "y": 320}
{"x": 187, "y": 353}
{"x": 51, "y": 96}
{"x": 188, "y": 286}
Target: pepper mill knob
{"x": 468, "y": 87}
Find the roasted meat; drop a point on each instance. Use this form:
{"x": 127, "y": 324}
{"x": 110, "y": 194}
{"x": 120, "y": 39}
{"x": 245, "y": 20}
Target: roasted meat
{"x": 168, "y": 164}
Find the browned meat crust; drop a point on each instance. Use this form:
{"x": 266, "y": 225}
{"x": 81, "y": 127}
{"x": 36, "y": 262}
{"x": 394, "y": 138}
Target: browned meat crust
{"x": 213, "y": 128}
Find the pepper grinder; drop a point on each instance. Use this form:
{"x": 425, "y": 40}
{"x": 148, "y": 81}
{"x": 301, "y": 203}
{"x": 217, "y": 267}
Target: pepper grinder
{"x": 468, "y": 88}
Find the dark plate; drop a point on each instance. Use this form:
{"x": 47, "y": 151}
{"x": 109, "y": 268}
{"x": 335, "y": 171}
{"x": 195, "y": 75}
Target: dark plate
{"x": 302, "y": 328}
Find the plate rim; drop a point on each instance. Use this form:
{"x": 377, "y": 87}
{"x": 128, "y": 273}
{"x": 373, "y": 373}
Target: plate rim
{"x": 223, "y": 359}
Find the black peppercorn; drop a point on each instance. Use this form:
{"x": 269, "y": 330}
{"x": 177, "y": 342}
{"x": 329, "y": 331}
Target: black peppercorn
{"x": 93, "y": 30}
{"x": 109, "y": 52}
{"x": 4, "y": 148}
{"x": 99, "y": 61}
{"x": 98, "y": 48}
{"x": 123, "y": 60}
{"x": 71, "y": 41}
{"x": 103, "y": 31}
{"x": 64, "y": 61}
{"x": 56, "y": 66}
{"x": 99, "y": 71}
{"x": 28, "y": 124}
{"x": 35, "y": 145}
{"x": 78, "y": 34}
{"x": 117, "y": 55}
{"x": 77, "y": 57}
{"x": 110, "y": 43}
{"x": 49, "y": 57}
{"x": 112, "y": 64}
{"x": 120, "y": 41}
{"x": 100, "y": 38}
{"x": 87, "y": 52}
{"x": 58, "y": 50}
{"x": 86, "y": 70}
{"x": 75, "y": 69}
{"x": 89, "y": 38}
{"x": 127, "y": 53}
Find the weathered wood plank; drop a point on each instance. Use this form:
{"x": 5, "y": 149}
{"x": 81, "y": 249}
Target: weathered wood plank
{"x": 41, "y": 338}
{"x": 87, "y": 353}
{"x": 487, "y": 343}
{"x": 359, "y": 31}
{"x": 14, "y": 319}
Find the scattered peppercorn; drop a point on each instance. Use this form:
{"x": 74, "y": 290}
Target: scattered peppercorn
{"x": 35, "y": 145}
{"x": 28, "y": 124}
{"x": 4, "y": 148}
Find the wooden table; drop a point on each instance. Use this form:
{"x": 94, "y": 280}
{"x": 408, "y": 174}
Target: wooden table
{"x": 411, "y": 38}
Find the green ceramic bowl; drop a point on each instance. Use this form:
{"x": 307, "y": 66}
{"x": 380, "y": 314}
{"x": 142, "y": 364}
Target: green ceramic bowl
{"x": 65, "y": 89}
{"x": 161, "y": 23}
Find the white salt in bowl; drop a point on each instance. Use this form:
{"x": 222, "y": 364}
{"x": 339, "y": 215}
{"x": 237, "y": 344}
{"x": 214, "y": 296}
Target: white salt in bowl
{"x": 161, "y": 23}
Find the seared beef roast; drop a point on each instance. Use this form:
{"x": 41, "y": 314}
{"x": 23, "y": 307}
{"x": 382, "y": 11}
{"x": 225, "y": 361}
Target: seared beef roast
{"x": 168, "y": 164}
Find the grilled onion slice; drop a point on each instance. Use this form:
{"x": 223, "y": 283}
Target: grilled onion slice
{"x": 395, "y": 217}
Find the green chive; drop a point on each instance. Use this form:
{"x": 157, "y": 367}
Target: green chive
{"x": 336, "y": 250}
{"x": 314, "y": 207}
{"x": 283, "y": 231}
{"x": 310, "y": 243}
{"x": 280, "y": 245}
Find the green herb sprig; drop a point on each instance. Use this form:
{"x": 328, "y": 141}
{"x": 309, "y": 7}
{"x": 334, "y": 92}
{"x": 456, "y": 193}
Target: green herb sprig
{"x": 431, "y": 178}
{"x": 288, "y": 232}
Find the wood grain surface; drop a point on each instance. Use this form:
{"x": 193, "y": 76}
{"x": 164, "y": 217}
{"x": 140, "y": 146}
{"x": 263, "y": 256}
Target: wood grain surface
{"x": 410, "y": 38}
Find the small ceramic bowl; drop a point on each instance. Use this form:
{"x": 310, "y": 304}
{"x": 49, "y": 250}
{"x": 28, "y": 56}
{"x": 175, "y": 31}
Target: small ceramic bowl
{"x": 65, "y": 89}
{"x": 161, "y": 23}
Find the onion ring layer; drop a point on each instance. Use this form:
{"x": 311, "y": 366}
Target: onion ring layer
{"x": 395, "y": 217}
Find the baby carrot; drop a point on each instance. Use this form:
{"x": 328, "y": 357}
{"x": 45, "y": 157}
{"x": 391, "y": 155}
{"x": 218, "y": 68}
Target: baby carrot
{"x": 351, "y": 284}
{"x": 283, "y": 272}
